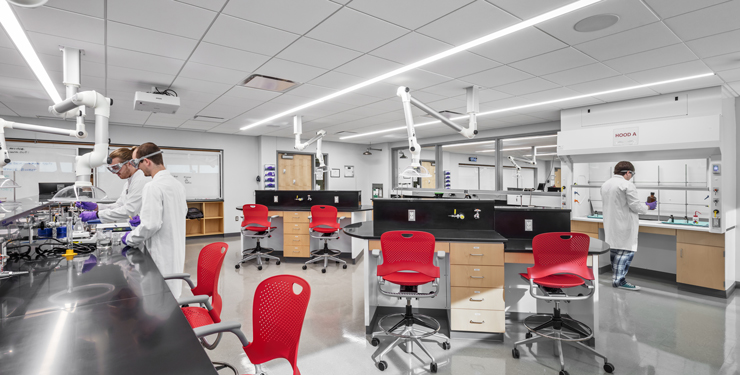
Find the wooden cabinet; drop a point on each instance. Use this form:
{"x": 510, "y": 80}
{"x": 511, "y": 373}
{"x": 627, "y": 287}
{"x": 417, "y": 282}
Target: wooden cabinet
{"x": 296, "y": 237}
{"x": 585, "y": 227}
{"x": 211, "y": 223}
{"x": 700, "y": 259}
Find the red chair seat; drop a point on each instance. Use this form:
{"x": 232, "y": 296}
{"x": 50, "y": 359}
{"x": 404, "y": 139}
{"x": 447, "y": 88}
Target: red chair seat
{"x": 408, "y": 278}
{"x": 259, "y": 229}
{"x": 557, "y": 281}
{"x": 197, "y": 316}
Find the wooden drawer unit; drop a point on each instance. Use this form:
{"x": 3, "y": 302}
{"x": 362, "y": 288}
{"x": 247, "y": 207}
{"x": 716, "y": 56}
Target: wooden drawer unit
{"x": 584, "y": 227}
{"x": 700, "y": 238}
{"x": 373, "y": 245}
{"x": 295, "y": 228}
{"x": 297, "y": 251}
{"x": 296, "y": 216}
{"x": 477, "y": 298}
{"x": 273, "y": 213}
{"x": 477, "y": 320}
{"x": 700, "y": 265}
{"x": 296, "y": 240}
{"x": 488, "y": 254}
{"x": 477, "y": 276}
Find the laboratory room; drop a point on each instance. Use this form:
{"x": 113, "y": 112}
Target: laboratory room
{"x": 466, "y": 187}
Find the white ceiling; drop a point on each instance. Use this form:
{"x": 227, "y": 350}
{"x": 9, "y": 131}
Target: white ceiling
{"x": 204, "y": 48}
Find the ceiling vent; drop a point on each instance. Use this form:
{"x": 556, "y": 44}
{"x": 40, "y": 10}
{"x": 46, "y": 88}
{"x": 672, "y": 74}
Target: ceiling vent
{"x": 345, "y": 132}
{"x": 258, "y": 81}
{"x": 208, "y": 118}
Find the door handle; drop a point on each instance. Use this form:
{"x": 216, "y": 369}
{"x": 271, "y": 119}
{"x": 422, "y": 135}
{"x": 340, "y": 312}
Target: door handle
{"x": 474, "y": 322}
{"x": 476, "y": 300}
{"x": 476, "y": 255}
{"x": 681, "y": 253}
{"x": 283, "y": 170}
{"x": 476, "y": 277}
{"x": 293, "y": 182}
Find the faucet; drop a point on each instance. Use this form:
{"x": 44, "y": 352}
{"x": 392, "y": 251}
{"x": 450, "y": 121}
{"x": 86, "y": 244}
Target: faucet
{"x": 309, "y": 198}
{"x": 477, "y": 214}
{"x": 457, "y": 216}
{"x": 298, "y": 199}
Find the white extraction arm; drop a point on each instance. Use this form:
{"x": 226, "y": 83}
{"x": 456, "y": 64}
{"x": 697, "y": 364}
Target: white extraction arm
{"x": 298, "y": 130}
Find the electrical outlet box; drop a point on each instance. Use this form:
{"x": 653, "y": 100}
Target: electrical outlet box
{"x": 412, "y": 215}
{"x": 527, "y": 225}
{"x": 274, "y": 199}
{"x": 336, "y": 199}
{"x": 236, "y": 218}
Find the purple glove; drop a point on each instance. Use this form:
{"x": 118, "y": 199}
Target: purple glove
{"x": 123, "y": 239}
{"x": 652, "y": 205}
{"x": 89, "y": 215}
{"x": 135, "y": 221}
{"x": 90, "y": 206}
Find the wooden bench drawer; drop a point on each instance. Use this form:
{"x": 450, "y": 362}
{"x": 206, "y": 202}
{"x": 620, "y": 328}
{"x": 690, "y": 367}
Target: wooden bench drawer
{"x": 477, "y": 320}
{"x": 477, "y": 298}
{"x": 477, "y": 276}
{"x": 296, "y": 216}
{"x": 485, "y": 254}
{"x": 295, "y": 228}
{"x": 296, "y": 240}
{"x": 297, "y": 251}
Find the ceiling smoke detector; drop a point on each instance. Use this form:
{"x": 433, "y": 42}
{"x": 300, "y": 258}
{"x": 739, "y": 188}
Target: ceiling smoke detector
{"x": 258, "y": 81}
{"x": 596, "y": 23}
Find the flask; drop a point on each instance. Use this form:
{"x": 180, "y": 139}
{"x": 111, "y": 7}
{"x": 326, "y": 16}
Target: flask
{"x": 651, "y": 198}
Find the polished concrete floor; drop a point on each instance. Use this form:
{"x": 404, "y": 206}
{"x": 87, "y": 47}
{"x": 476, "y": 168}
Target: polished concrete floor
{"x": 658, "y": 330}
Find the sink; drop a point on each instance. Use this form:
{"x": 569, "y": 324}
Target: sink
{"x": 684, "y": 222}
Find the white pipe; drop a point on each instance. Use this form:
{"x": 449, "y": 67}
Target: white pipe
{"x": 37, "y": 128}
{"x": 469, "y": 132}
{"x": 414, "y": 148}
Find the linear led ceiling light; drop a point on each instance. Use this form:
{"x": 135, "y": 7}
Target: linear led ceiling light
{"x": 16, "y": 33}
{"x": 468, "y": 144}
{"x": 538, "y": 104}
{"x": 493, "y": 36}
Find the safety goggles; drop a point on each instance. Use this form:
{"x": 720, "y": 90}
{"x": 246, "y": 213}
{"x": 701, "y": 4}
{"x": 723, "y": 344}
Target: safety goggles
{"x": 627, "y": 170}
{"x": 115, "y": 168}
{"x": 135, "y": 162}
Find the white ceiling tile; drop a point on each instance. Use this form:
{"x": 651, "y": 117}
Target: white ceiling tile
{"x": 134, "y": 75}
{"x": 527, "y": 86}
{"x": 380, "y": 90}
{"x": 254, "y": 94}
{"x": 468, "y": 23}
{"x": 198, "y": 125}
{"x": 351, "y": 29}
{"x": 129, "y": 116}
{"x": 671, "y": 8}
{"x": 248, "y": 36}
{"x": 460, "y": 64}
{"x": 632, "y": 14}
{"x": 530, "y": 8}
{"x": 497, "y": 76}
{"x": 227, "y": 57}
{"x": 519, "y": 119}
{"x": 712, "y": 20}
{"x": 195, "y": 96}
{"x": 5, "y": 111}
{"x": 148, "y": 41}
{"x": 636, "y": 40}
{"x": 410, "y": 48}
{"x": 49, "y": 45}
{"x": 368, "y": 66}
{"x": 626, "y": 95}
{"x": 207, "y": 4}
{"x": 336, "y": 80}
{"x": 714, "y": 45}
{"x": 730, "y": 75}
{"x": 164, "y": 120}
{"x": 294, "y": 16}
{"x": 555, "y": 94}
{"x": 735, "y": 86}
{"x": 17, "y": 71}
{"x": 316, "y": 53}
{"x": 518, "y": 46}
{"x": 417, "y": 79}
{"x": 551, "y": 62}
{"x": 11, "y": 56}
{"x": 170, "y": 17}
{"x": 88, "y": 68}
{"x": 143, "y": 61}
{"x": 581, "y": 74}
{"x": 671, "y": 72}
{"x": 604, "y": 84}
{"x": 724, "y": 62}
{"x": 62, "y": 24}
{"x": 226, "y": 128}
{"x": 551, "y": 114}
{"x": 240, "y": 105}
{"x": 449, "y": 89}
{"x": 5, "y": 41}
{"x": 191, "y": 84}
{"x": 351, "y": 98}
{"x": 448, "y": 104}
{"x": 289, "y": 70}
{"x": 226, "y": 111}
{"x": 674, "y": 54}
{"x": 308, "y": 90}
{"x": 410, "y": 14}
{"x": 487, "y": 95}
{"x": 95, "y": 8}
{"x": 212, "y": 73}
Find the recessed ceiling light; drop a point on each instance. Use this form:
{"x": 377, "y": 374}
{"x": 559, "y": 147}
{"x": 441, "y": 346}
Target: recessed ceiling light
{"x": 596, "y": 23}
{"x": 258, "y": 81}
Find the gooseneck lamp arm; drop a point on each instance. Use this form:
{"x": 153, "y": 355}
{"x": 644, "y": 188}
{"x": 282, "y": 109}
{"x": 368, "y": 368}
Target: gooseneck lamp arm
{"x": 300, "y": 146}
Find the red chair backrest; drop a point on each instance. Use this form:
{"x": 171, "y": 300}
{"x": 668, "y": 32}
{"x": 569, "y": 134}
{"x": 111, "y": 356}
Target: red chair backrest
{"x": 277, "y": 319}
{"x": 255, "y": 214}
{"x": 323, "y": 215}
{"x": 408, "y": 251}
{"x": 560, "y": 252}
{"x": 210, "y": 260}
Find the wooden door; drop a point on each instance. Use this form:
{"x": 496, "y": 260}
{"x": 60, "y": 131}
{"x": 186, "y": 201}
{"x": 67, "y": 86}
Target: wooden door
{"x": 429, "y": 182}
{"x": 557, "y": 178}
{"x": 700, "y": 265}
{"x": 295, "y": 173}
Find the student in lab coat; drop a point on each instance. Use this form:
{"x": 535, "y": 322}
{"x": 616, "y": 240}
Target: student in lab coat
{"x": 129, "y": 202}
{"x": 622, "y": 208}
{"x": 162, "y": 216}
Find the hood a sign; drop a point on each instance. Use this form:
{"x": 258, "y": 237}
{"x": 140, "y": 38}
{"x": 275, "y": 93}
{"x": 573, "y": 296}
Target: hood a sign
{"x": 626, "y": 137}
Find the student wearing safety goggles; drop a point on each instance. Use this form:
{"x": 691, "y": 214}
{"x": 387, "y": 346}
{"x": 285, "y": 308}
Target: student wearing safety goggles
{"x": 128, "y": 204}
{"x": 162, "y": 216}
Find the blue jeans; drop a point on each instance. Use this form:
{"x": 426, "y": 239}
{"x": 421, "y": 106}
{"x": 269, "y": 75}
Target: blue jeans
{"x": 621, "y": 260}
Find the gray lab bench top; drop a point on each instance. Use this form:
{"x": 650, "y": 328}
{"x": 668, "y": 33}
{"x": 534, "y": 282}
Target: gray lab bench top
{"x": 109, "y": 313}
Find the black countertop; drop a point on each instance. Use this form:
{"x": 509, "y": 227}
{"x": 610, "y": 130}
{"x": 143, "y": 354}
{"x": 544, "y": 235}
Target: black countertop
{"x": 106, "y": 313}
{"x": 596, "y": 246}
{"x": 365, "y": 231}
{"x": 339, "y": 209}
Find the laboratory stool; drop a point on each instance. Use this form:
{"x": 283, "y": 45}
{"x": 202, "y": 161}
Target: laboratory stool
{"x": 559, "y": 263}
{"x": 408, "y": 261}
{"x": 210, "y": 260}
{"x": 324, "y": 225}
{"x": 257, "y": 225}
{"x": 278, "y": 312}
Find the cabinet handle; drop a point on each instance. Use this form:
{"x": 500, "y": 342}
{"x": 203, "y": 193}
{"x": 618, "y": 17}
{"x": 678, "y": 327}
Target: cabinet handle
{"x": 476, "y": 255}
{"x": 474, "y": 322}
{"x": 296, "y": 251}
{"x": 296, "y": 240}
{"x": 476, "y": 300}
{"x": 476, "y": 277}
{"x": 681, "y": 253}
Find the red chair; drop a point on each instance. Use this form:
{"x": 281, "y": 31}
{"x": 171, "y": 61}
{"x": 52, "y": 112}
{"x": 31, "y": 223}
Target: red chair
{"x": 277, "y": 320}
{"x": 408, "y": 261}
{"x": 325, "y": 226}
{"x": 257, "y": 225}
{"x": 559, "y": 263}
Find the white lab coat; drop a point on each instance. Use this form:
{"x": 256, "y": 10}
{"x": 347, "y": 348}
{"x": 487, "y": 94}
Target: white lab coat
{"x": 622, "y": 207}
{"x": 128, "y": 204}
{"x": 162, "y": 227}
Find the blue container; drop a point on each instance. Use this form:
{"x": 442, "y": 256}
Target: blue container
{"x": 46, "y": 233}
{"x": 62, "y": 232}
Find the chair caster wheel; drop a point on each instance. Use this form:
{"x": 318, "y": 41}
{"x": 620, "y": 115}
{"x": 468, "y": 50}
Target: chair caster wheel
{"x": 563, "y": 372}
{"x": 323, "y": 270}
{"x": 259, "y": 268}
{"x": 277, "y": 263}
{"x": 344, "y": 266}
{"x": 305, "y": 267}
{"x": 515, "y": 353}
{"x": 446, "y": 345}
{"x": 608, "y": 367}
{"x": 528, "y": 335}
{"x": 382, "y": 365}
{"x": 433, "y": 367}
{"x": 237, "y": 266}
{"x": 375, "y": 341}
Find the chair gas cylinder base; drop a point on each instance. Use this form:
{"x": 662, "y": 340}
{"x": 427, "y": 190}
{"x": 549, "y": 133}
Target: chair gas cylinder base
{"x": 257, "y": 225}
{"x": 559, "y": 263}
{"x": 324, "y": 226}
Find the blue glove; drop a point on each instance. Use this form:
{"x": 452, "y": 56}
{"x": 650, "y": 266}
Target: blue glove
{"x": 135, "y": 221}
{"x": 90, "y": 206}
{"x": 123, "y": 239}
{"x": 652, "y": 205}
{"x": 88, "y": 215}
